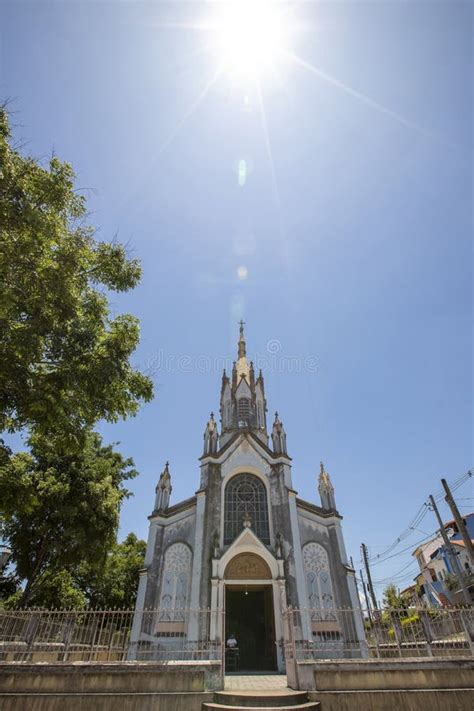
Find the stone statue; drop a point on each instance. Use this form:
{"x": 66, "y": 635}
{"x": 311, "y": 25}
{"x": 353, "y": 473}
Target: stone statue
{"x": 279, "y": 546}
{"x": 247, "y": 521}
{"x": 215, "y": 545}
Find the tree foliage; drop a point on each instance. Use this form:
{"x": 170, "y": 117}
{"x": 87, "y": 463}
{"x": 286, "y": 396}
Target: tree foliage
{"x": 104, "y": 584}
{"x": 116, "y": 583}
{"x": 60, "y": 510}
{"x": 392, "y": 599}
{"x": 64, "y": 361}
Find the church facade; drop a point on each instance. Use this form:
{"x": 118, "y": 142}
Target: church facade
{"x": 245, "y": 546}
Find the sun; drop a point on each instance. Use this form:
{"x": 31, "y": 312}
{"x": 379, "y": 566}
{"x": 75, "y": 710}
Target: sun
{"x": 249, "y": 36}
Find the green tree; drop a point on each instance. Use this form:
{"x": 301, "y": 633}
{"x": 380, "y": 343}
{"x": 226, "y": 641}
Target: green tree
{"x": 64, "y": 361}
{"x": 9, "y": 588}
{"x": 59, "y": 510}
{"x": 392, "y": 599}
{"x": 116, "y": 583}
{"x": 56, "y": 590}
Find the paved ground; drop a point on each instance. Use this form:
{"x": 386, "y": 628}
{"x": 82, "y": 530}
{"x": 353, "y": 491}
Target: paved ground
{"x": 257, "y": 682}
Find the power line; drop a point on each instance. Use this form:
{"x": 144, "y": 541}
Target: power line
{"x": 420, "y": 514}
{"x": 410, "y": 547}
{"x": 398, "y": 574}
{"x": 398, "y": 581}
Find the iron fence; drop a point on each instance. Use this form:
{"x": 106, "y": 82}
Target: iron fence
{"x": 111, "y": 635}
{"x": 313, "y": 634}
{"x": 192, "y": 636}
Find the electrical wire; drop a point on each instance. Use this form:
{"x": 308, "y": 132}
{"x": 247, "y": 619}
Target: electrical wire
{"x": 420, "y": 514}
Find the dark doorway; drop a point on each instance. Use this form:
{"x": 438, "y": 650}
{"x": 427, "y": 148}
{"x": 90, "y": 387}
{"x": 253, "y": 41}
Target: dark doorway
{"x": 249, "y": 616}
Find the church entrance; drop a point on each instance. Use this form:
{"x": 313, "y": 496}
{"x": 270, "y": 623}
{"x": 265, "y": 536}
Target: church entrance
{"x": 250, "y": 617}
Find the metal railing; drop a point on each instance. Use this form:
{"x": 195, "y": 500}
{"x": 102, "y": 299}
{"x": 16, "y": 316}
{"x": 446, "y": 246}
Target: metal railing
{"x": 111, "y": 635}
{"x": 193, "y": 636}
{"x": 314, "y": 634}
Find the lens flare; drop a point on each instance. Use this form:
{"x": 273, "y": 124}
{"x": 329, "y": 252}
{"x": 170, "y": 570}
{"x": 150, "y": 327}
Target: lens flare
{"x": 242, "y": 172}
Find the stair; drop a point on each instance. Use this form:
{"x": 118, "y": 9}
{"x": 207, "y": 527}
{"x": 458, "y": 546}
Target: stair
{"x": 261, "y": 701}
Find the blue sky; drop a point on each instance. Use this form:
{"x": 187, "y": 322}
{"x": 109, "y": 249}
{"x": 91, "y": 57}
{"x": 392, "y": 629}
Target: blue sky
{"x": 355, "y": 235}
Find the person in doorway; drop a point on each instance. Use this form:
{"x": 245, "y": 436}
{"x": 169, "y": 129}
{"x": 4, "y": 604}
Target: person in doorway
{"x": 232, "y": 642}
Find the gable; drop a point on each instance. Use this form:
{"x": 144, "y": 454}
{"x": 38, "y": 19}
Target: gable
{"x": 245, "y": 455}
{"x": 248, "y": 543}
{"x": 243, "y": 389}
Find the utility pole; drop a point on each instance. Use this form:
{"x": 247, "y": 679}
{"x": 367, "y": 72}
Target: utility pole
{"x": 452, "y": 554}
{"x": 369, "y": 577}
{"x": 364, "y": 588}
{"x": 459, "y": 522}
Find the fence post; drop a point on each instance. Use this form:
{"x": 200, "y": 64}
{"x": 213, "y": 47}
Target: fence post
{"x": 67, "y": 634}
{"x": 223, "y": 641}
{"x": 378, "y": 631}
{"x": 467, "y": 621}
{"x": 293, "y": 644}
{"x": 30, "y": 632}
{"x": 397, "y": 630}
{"x": 426, "y": 625}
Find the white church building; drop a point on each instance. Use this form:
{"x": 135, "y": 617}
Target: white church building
{"x": 245, "y": 546}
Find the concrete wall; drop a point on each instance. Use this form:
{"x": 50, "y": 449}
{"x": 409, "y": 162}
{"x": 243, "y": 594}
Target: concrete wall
{"x": 132, "y": 686}
{"x": 415, "y": 700}
{"x": 373, "y": 685}
{"x": 414, "y": 674}
{"x": 104, "y": 702}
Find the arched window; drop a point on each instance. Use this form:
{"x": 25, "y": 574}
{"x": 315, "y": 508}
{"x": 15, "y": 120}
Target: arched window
{"x": 176, "y": 580}
{"x": 318, "y": 580}
{"x": 245, "y": 497}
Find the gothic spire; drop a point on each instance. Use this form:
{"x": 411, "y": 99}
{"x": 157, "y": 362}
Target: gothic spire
{"x": 163, "y": 490}
{"x": 242, "y": 366}
{"x": 278, "y": 436}
{"x": 326, "y": 489}
{"x": 242, "y": 344}
{"x": 211, "y": 436}
{"x": 242, "y": 404}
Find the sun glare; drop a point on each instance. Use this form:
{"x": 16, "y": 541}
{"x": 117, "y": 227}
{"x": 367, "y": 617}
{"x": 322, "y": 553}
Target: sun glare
{"x": 250, "y": 34}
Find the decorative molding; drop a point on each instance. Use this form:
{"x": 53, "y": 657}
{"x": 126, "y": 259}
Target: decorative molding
{"x": 318, "y": 576}
{"x": 176, "y": 577}
{"x": 315, "y": 558}
{"x": 247, "y": 566}
{"x": 314, "y": 509}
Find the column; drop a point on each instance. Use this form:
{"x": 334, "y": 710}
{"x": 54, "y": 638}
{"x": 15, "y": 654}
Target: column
{"x": 193, "y": 629}
{"x": 300, "y": 578}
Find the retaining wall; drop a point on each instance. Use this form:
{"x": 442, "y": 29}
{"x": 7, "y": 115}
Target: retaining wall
{"x": 408, "y": 684}
{"x": 129, "y": 686}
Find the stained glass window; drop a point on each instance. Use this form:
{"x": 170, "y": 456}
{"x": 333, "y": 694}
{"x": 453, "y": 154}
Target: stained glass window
{"x": 245, "y": 498}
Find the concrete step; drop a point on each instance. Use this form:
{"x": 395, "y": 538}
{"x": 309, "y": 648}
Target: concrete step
{"x": 307, "y": 706}
{"x": 262, "y": 699}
